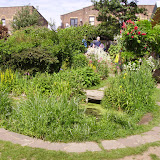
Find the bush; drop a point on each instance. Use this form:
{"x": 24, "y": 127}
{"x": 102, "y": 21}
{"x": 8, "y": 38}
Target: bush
{"x": 30, "y": 50}
{"x": 79, "y": 61}
{"x": 131, "y": 91}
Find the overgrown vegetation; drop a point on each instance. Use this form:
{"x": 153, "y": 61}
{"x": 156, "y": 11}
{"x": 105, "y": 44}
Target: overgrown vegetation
{"x": 51, "y": 71}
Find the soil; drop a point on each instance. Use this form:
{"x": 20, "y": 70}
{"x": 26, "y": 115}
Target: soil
{"x": 146, "y": 119}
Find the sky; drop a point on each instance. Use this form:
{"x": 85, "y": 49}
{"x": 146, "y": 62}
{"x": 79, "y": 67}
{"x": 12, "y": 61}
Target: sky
{"x": 52, "y": 9}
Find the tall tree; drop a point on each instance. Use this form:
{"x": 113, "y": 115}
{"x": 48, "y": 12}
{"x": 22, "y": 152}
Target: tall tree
{"x": 112, "y": 13}
{"x": 26, "y": 17}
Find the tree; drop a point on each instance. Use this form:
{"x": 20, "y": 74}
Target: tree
{"x": 26, "y": 17}
{"x": 3, "y": 31}
{"x": 112, "y": 14}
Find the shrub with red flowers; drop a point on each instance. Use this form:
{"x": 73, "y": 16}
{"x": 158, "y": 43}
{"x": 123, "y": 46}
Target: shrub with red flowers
{"x": 134, "y": 39}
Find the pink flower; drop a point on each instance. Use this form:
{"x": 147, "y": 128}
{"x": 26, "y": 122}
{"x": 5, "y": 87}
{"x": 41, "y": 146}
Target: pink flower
{"x": 120, "y": 31}
{"x": 136, "y": 27}
{"x": 139, "y": 32}
{"x": 132, "y": 36}
{"x": 128, "y": 33}
{"x": 99, "y": 60}
{"x": 143, "y": 34}
{"x": 90, "y": 61}
{"x": 145, "y": 47}
{"x": 131, "y": 32}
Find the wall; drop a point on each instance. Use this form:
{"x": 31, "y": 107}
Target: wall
{"x": 8, "y": 13}
{"x": 84, "y": 14}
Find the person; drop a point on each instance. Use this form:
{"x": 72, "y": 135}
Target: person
{"x": 96, "y": 43}
{"x": 84, "y": 42}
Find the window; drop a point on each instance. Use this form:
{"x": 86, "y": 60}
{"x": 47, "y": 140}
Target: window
{"x": 91, "y": 20}
{"x": 74, "y": 22}
{"x": 3, "y": 22}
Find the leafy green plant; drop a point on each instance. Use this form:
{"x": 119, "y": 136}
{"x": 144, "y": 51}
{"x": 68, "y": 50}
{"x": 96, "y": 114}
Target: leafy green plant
{"x": 79, "y": 61}
{"x": 131, "y": 91}
{"x": 5, "y": 105}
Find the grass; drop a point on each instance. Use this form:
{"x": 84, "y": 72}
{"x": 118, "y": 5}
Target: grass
{"x": 156, "y": 95}
{"x": 17, "y": 152}
{"x": 154, "y": 157}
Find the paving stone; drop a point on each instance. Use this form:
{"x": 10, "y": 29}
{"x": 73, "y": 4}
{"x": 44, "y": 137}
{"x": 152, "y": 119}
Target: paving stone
{"x": 112, "y": 144}
{"x": 2, "y": 130}
{"x": 156, "y": 129}
{"x": 158, "y": 85}
{"x": 158, "y": 103}
{"x": 9, "y": 137}
{"x": 82, "y": 147}
{"x": 47, "y": 145}
{"x": 132, "y": 141}
{"x": 151, "y": 133}
{"x": 151, "y": 138}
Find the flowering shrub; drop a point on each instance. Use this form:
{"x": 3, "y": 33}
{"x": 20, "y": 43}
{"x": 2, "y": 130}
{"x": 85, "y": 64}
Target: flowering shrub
{"x": 134, "y": 39}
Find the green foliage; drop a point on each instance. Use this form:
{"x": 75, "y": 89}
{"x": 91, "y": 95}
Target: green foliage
{"x": 131, "y": 91}
{"x": 70, "y": 41}
{"x": 114, "y": 50}
{"x": 112, "y": 13}
{"x": 140, "y": 39}
{"x": 134, "y": 39}
{"x": 51, "y": 119}
{"x": 30, "y": 50}
{"x": 5, "y": 105}
{"x": 27, "y": 16}
{"x": 84, "y": 77}
{"x": 7, "y": 80}
{"x": 79, "y": 61}
{"x": 100, "y": 66}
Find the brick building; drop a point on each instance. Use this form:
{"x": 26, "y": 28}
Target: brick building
{"x": 88, "y": 15}
{"x": 7, "y": 14}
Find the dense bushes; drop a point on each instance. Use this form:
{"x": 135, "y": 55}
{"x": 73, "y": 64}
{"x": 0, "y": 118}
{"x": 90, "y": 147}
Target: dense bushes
{"x": 30, "y": 50}
{"x": 131, "y": 91}
{"x": 139, "y": 39}
{"x": 37, "y": 49}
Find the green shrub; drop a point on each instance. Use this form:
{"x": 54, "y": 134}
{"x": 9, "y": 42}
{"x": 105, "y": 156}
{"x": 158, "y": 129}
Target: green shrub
{"x": 131, "y": 91}
{"x": 79, "y": 61}
{"x": 30, "y": 50}
{"x": 100, "y": 66}
{"x": 82, "y": 77}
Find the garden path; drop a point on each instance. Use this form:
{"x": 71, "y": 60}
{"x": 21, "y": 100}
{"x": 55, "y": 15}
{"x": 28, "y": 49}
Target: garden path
{"x": 130, "y": 141}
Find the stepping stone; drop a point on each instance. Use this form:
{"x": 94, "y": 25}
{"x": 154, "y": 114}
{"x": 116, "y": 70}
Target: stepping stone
{"x": 82, "y": 147}
{"x": 112, "y": 144}
{"x": 94, "y": 94}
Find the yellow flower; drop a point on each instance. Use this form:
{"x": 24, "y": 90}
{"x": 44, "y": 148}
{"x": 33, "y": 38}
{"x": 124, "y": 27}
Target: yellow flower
{"x": 120, "y": 86}
{"x": 125, "y": 74}
{"x": 124, "y": 77}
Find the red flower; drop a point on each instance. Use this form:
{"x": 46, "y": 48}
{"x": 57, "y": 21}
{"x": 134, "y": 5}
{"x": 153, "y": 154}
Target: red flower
{"x": 139, "y": 32}
{"x": 145, "y": 47}
{"x": 143, "y": 34}
{"x": 131, "y": 32}
{"x": 128, "y": 33}
{"x": 120, "y": 31}
{"x": 132, "y": 36}
{"x": 136, "y": 27}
